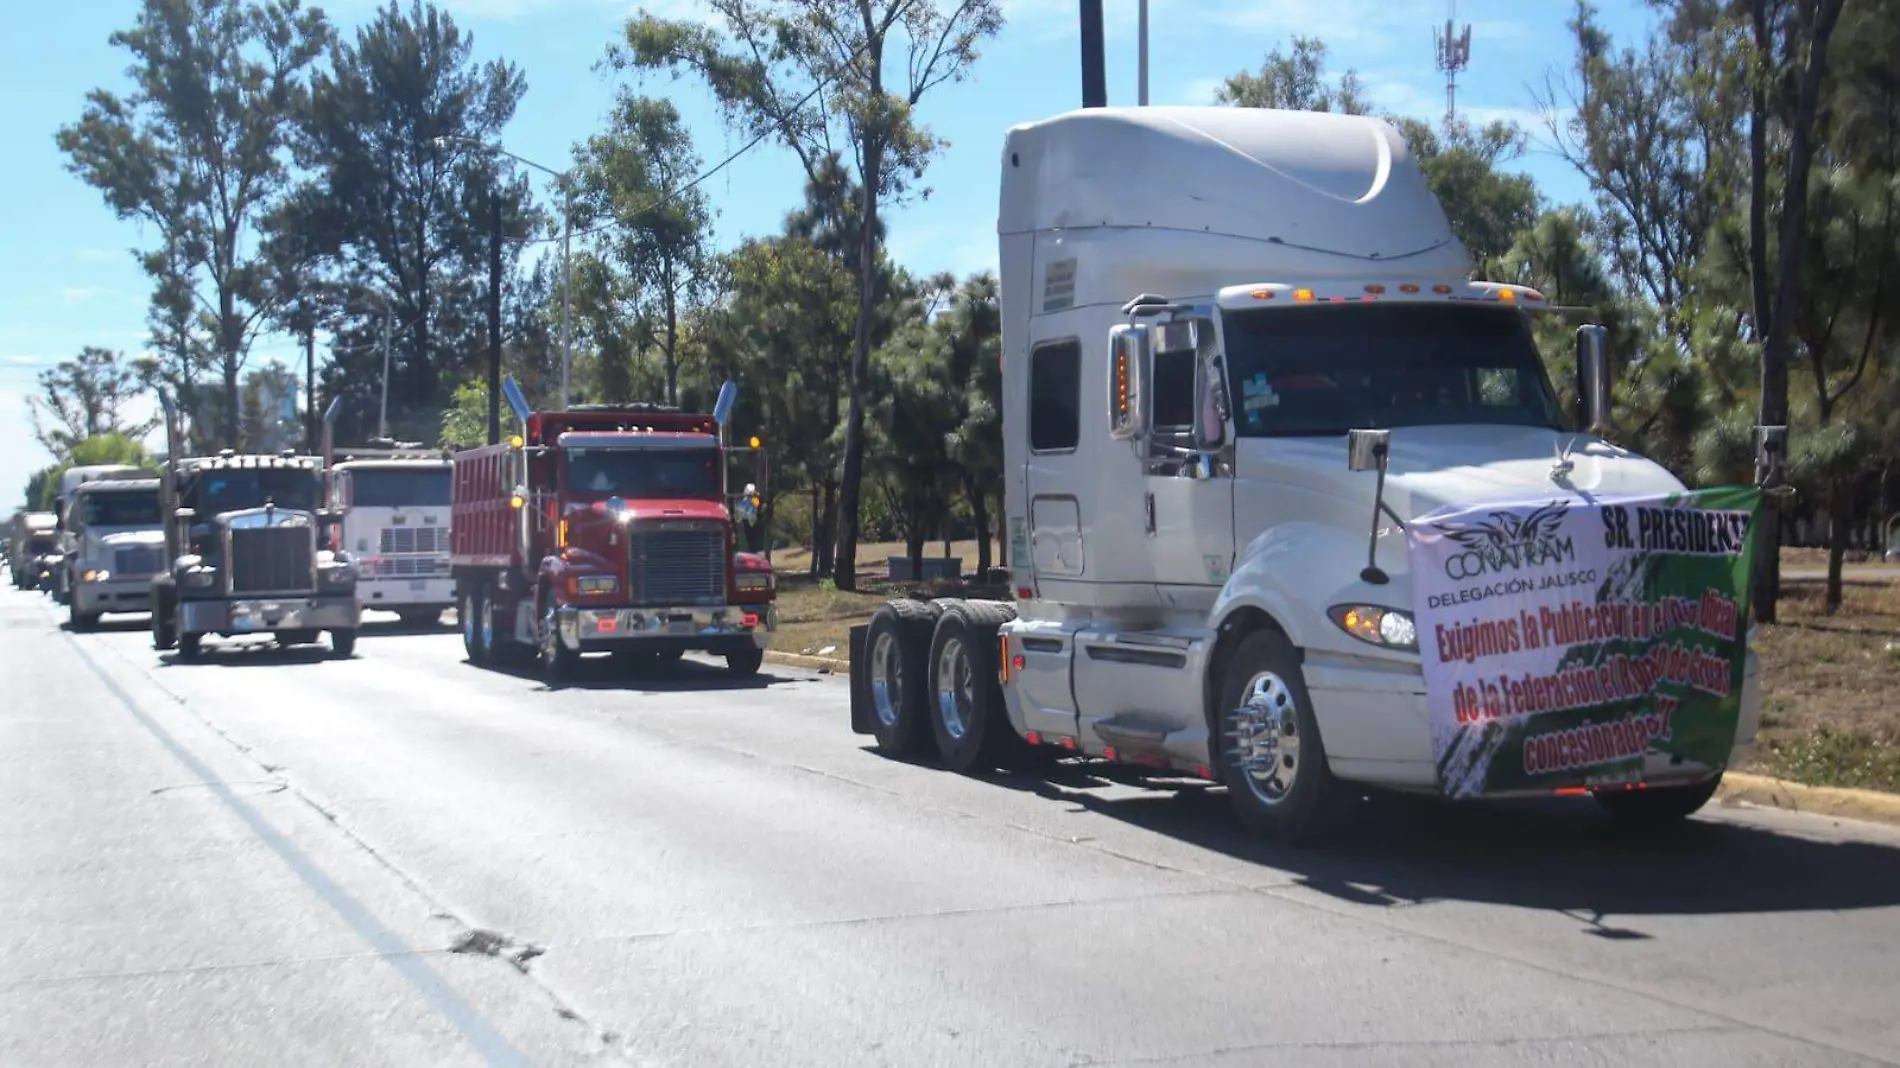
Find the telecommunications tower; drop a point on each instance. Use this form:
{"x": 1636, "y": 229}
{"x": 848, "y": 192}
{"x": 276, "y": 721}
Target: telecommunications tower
{"x": 1454, "y": 55}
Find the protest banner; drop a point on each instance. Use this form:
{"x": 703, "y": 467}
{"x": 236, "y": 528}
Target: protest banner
{"x": 1565, "y": 641}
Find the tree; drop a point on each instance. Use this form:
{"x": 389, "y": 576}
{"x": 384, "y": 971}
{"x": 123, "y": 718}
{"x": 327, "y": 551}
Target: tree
{"x": 399, "y": 202}
{"x": 973, "y": 342}
{"x": 1295, "y": 82}
{"x": 198, "y": 150}
{"x": 637, "y": 175}
{"x": 86, "y": 397}
{"x": 815, "y": 73}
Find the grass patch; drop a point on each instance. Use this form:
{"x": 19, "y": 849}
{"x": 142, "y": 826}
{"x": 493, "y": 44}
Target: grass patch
{"x": 1828, "y": 757}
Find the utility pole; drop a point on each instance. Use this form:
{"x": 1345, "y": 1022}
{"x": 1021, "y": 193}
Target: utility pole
{"x": 382, "y": 417}
{"x": 494, "y": 313}
{"x": 1141, "y": 53}
{"x": 567, "y": 284}
{"x": 1094, "y": 62}
{"x": 310, "y": 383}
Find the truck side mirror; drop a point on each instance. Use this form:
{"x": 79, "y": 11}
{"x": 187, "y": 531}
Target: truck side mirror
{"x": 1130, "y": 358}
{"x": 1593, "y": 377}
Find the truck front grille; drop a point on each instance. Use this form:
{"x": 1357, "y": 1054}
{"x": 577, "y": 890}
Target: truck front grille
{"x": 272, "y": 560}
{"x": 683, "y": 565}
{"x": 409, "y": 566}
{"x": 138, "y": 560}
{"x": 415, "y": 540}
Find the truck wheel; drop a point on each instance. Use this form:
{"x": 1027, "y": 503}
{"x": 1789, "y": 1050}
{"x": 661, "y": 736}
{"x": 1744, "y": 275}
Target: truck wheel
{"x": 80, "y": 621}
{"x": 1659, "y": 806}
{"x": 343, "y": 643}
{"x": 471, "y": 611}
{"x": 190, "y": 645}
{"x": 971, "y": 723}
{"x": 1272, "y": 758}
{"x": 744, "y": 665}
{"x": 164, "y": 624}
{"x": 898, "y": 648}
{"x": 557, "y": 660}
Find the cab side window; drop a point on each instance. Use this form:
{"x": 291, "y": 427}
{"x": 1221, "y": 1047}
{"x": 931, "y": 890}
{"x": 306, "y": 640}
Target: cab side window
{"x": 1055, "y": 396}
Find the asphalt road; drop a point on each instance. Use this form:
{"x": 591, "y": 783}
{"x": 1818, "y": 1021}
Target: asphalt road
{"x": 278, "y": 858}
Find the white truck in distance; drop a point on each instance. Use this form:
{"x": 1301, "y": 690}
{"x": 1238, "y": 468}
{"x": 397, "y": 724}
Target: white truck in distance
{"x": 1201, "y": 307}
{"x": 395, "y": 508}
{"x": 115, "y": 543}
{"x": 69, "y": 481}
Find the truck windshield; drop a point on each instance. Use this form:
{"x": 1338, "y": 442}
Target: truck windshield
{"x": 134, "y": 508}
{"x": 393, "y": 488}
{"x": 1323, "y": 370}
{"x": 636, "y": 473}
{"x": 233, "y": 489}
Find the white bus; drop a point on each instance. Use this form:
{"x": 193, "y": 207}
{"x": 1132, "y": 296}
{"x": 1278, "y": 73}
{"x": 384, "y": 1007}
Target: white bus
{"x": 395, "y": 527}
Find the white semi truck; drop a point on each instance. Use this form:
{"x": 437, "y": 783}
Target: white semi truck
{"x": 394, "y": 503}
{"x": 69, "y": 482}
{"x": 115, "y": 545}
{"x": 1205, "y": 309}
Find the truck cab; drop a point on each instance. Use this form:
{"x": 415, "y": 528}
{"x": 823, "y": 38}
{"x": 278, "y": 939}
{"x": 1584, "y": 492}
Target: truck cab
{"x": 608, "y": 529}
{"x": 115, "y": 545}
{"x": 246, "y": 546}
{"x": 394, "y": 505}
{"x": 1204, "y": 309}
{"x": 70, "y": 480}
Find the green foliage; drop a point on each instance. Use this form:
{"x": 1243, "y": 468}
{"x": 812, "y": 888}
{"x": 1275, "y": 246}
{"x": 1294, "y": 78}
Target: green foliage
{"x": 400, "y": 207}
{"x": 465, "y": 421}
{"x": 197, "y": 153}
{"x": 86, "y": 397}
{"x": 1295, "y": 82}
{"x": 635, "y": 174}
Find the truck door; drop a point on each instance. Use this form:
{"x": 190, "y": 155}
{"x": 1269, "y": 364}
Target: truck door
{"x": 1189, "y": 499}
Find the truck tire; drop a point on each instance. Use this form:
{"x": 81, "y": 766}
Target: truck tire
{"x": 79, "y": 621}
{"x": 190, "y": 646}
{"x": 557, "y": 661}
{"x": 471, "y": 610}
{"x": 969, "y": 718}
{"x": 1657, "y": 807}
{"x": 343, "y": 643}
{"x": 744, "y": 665}
{"x": 1271, "y": 755}
{"x": 164, "y": 624}
{"x": 897, "y": 649}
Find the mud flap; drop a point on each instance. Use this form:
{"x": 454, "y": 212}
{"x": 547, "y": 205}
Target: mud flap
{"x": 861, "y": 714}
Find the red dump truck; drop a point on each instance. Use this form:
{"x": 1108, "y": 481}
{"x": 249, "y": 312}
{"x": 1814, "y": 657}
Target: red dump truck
{"x": 609, "y": 529}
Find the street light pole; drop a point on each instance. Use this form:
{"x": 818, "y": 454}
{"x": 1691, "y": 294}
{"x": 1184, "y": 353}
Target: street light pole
{"x": 382, "y": 418}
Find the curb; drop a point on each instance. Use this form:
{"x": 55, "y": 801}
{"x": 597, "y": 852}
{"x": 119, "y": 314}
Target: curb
{"x": 1870, "y": 805}
{"x": 825, "y": 664}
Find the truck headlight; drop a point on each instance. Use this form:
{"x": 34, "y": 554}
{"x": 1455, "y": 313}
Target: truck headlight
{"x": 1389, "y": 628}
{"x": 592, "y": 584}
{"x": 97, "y": 576}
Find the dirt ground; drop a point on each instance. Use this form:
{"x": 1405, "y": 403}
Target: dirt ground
{"x": 1831, "y": 700}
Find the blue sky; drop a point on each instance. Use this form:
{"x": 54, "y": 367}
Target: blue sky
{"x": 69, "y": 280}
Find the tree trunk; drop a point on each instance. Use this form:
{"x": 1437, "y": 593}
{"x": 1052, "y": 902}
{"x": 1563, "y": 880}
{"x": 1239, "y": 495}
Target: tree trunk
{"x": 1838, "y": 491}
{"x": 228, "y": 352}
{"x": 827, "y": 532}
{"x": 914, "y": 548}
{"x": 980, "y": 518}
{"x": 817, "y": 565}
{"x": 672, "y": 346}
{"x": 844, "y": 570}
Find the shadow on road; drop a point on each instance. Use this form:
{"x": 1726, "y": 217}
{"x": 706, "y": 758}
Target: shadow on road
{"x": 1558, "y": 855}
{"x": 605, "y": 673}
{"x": 126, "y": 624}
{"x": 251, "y": 654}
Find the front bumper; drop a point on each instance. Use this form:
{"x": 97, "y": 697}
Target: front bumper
{"x": 1376, "y": 724}
{"x": 113, "y": 595}
{"x": 393, "y": 593}
{"x": 264, "y": 615}
{"x": 719, "y": 630}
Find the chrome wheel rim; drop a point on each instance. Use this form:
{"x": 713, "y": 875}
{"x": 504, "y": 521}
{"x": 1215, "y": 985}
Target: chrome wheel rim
{"x": 887, "y": 678}
{"x": 550, "y": 636}
{"x": 485, "y": 619}
{"x": 466, "y": 609}
{"x": 1265, "y": 738}
{"x": 956, "y": 688}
